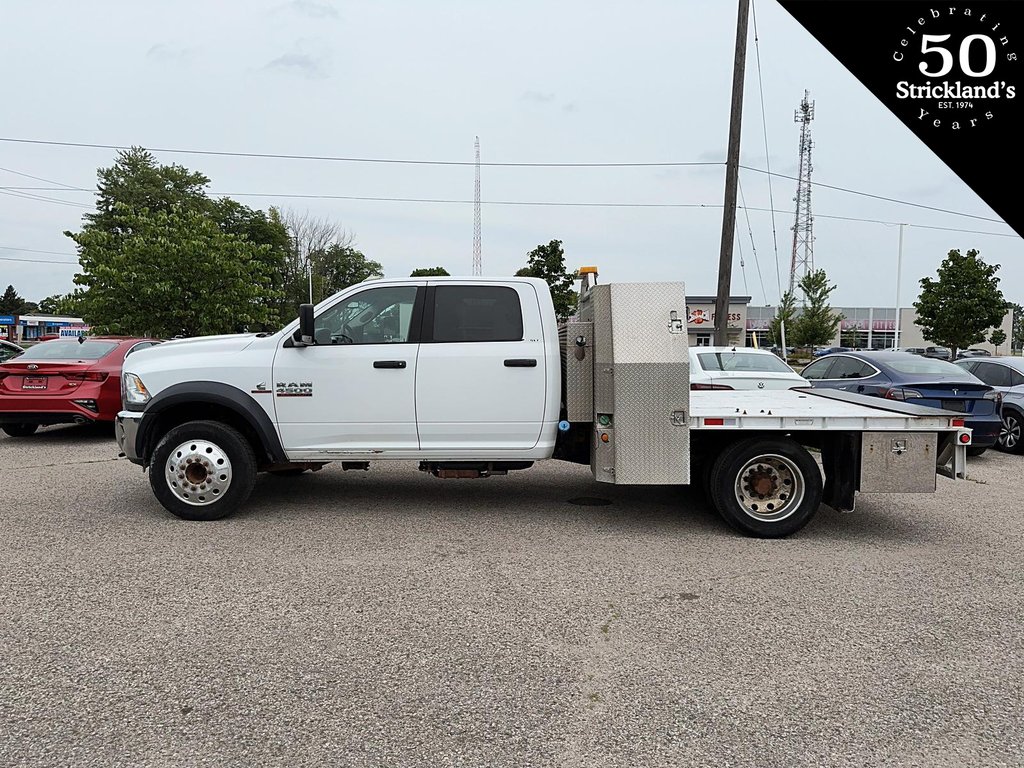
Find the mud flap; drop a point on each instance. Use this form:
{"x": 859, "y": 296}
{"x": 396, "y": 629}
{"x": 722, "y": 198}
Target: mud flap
{"x": 840, "y": 457}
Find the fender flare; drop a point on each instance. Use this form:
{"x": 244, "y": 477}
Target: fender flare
{"x": 214, "y": 393}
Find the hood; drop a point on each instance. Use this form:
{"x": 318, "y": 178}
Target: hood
{"x": 229, "y": 342}
{"x": 198, "y": 345}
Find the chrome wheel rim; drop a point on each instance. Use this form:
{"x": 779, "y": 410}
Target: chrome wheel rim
{"x": 198, "y": 472}
{"x": 769, "y": 488}
{"x": 1009, "y": 434}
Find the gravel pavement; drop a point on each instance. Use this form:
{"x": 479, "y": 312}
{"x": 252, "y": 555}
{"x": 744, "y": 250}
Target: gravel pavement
{"x": 389, "y": 618}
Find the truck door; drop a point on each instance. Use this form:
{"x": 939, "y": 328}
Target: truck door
{"x": 481, "y": 373}
{"x": 354, "y": 390}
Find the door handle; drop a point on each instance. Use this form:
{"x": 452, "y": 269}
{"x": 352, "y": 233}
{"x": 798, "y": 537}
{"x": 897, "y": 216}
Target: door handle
{"x": 521, "y": 362}
{"x": 389, "y": 363}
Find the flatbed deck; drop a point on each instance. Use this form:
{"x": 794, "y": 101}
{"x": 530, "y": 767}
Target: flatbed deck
{"x": 811, "y": 410}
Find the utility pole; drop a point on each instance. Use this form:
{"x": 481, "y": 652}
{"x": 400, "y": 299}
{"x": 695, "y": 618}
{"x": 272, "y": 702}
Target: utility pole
{"x": 899, "y": 271}
{"x": 478, "y": 268}
{"x": 732, "y": 170}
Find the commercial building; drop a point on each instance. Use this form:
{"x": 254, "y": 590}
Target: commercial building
{"x": 32, "y": 327}
{"x": 867, "y": 328}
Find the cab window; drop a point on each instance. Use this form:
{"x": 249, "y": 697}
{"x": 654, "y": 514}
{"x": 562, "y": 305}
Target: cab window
{"x": 374, "y": 316}
{"x": 476, "y": 313}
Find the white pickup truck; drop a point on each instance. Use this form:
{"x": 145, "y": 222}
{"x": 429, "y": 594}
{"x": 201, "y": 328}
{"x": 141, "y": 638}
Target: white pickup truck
{"x": 474, "y": 377}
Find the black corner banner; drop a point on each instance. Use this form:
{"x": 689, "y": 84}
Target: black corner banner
{"x": 950, "y": 71}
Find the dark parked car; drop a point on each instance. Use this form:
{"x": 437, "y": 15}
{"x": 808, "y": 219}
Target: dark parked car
{"x": 830, "y": 350}
{"x": 920, "y": 380}
{"x": 8, "y": 350}
{"x": 938, "y": 353}
{"x": 1006, "y": 375}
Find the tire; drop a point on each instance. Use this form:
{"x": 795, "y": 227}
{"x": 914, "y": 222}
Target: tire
{"x": 292, "y": 472}
{"x": 975, "y": 450}
{"x": 19, "y": 430}
{"x": 1011, "y": 436}
{"x": 792, "y": 494}
{"x": 202, "y": 470}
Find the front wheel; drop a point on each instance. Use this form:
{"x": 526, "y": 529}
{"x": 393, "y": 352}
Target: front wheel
{"x": 202, "y": 470}
{"x": 1010, "y": 434}
{"x": 766, "y": 487}
{"x": 19, "y": 430}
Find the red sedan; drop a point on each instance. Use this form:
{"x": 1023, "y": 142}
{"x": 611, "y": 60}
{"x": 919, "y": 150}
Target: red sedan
{"x": 64, "y": 381}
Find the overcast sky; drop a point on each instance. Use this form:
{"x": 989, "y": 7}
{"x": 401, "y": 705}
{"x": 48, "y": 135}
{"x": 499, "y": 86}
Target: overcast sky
{"x": 550, "y": 82}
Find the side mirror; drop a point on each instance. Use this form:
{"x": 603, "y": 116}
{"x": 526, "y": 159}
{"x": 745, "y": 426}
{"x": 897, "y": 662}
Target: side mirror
{"x": 304, "y": 334}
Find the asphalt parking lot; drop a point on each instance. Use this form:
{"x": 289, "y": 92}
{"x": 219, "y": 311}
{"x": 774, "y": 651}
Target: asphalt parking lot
{"x": 391, "y": 618}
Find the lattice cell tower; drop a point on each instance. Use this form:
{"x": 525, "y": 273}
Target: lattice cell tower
{"x": 477, "y": 253}
{"x": 803, "y": 227}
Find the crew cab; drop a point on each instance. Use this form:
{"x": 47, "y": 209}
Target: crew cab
{"x": 474, "y": 377}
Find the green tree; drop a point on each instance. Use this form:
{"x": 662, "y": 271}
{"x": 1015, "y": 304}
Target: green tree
{"x": 136, "y": 181}
{"x": 965, "y": 301}
{"x": 1017, "y": 337}
{"x": 171, "y": 272}
{"x": 998, "y": 338}
{"x": 67, "y": 304}
{"x": 429, "y": 272}
{"x": 817, "y": 323}
{"x": 548, "y": 262}
{"x": 339, "y": 266}
{"x": 137, "y": 197}
{"x": 12, "y": 303}
{"x": 785, "y": 313}
{"x": 322, "y": 259}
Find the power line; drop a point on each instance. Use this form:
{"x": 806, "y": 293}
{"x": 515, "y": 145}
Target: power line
{"x": 753, "y": 247}
{"x": 39, "y": 178}
{"x": 767, "y": 154}
{"x": 34, "y": 250}
{"x": 41, "y": 198}
{"x": 877, "y": 197}
{"x": 329, "y": 158}
{"x": 38, "y": 261}
{"x": 333, "y": 158}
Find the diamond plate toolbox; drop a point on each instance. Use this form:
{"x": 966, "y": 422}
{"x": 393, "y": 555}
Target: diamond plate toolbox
{"x": 641, "y": 382}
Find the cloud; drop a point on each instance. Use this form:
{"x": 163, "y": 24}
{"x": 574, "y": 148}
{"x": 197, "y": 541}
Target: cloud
{"x": 569, "y": 106}
{"x": 163, "y": 52}
{"x": 302, "y": 64}
{"x": 312, "y": 9}
{"x": 538, "y": 97}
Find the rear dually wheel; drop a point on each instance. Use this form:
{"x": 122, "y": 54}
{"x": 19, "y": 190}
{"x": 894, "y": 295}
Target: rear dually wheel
{"x": 766, "y": 487}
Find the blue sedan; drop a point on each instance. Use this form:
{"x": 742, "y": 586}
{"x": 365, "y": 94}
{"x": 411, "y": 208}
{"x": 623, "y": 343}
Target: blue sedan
{"x": 920, "y": 380}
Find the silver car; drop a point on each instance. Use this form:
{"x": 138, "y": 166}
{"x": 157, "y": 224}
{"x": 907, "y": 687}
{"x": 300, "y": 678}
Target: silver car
{"x": 1006, "y": 375}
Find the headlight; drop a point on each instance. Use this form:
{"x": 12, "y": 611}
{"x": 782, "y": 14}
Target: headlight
{"x": 133, "y": 391}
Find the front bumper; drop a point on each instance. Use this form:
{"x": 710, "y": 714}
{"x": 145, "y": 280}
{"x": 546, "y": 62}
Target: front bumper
{"x": 126, "y": 429}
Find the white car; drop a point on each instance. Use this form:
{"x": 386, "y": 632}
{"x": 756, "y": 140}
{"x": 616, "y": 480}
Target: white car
{"x": 740, "y": 368}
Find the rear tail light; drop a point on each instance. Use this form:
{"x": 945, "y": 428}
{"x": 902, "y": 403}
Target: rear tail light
{"x": 956, "y": 422}
{"x": 899, "y": 393}
{"x": 995, "y": 395}
{"x": 86, "y": 376}
{"x": 699, "y": 387}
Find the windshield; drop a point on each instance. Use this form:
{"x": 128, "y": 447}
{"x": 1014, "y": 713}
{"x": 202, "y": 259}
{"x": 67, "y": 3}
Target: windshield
{"x": 742, "y": 361}
{"x": 69, "y": 350}
{"x": 927, "y": 365}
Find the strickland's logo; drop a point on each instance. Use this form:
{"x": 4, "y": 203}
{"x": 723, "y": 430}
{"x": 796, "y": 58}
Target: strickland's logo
{"x": 954, "y": 61}
{"x": 950, "y": 72}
